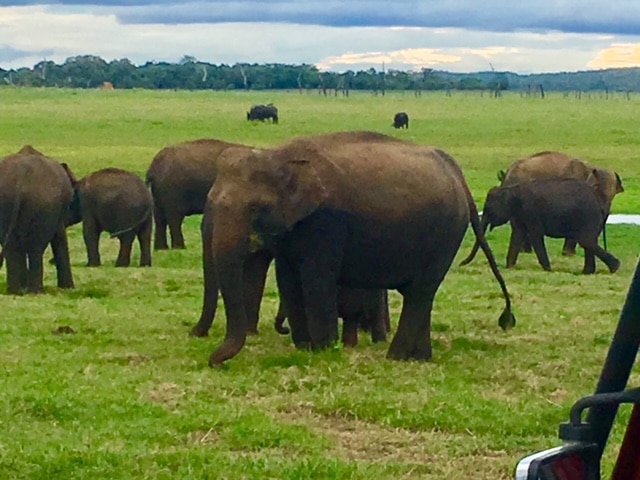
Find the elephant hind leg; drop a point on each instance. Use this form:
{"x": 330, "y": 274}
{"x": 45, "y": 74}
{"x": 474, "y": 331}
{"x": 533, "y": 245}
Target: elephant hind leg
{"x": 175, "y": 229}
{"x": 35, "y": 271}
{"x": 16, "y": 271}
{"x": 144, "y": 240}
{"x": 569, "y": 247}
{"x": 412, "y": 340}
{"x": 160, "y": 235}
{"x": 60, "y": 248}
{"x": 592, "y": 248}
{"x": 124, "y": 255}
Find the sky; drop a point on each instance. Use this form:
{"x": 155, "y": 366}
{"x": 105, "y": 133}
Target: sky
{"x": 533, "y": 36}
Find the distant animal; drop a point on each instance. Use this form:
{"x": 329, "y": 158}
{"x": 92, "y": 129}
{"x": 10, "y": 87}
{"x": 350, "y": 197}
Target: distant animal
{"x": 401, "y": 120}
{"x": 116, "y": 201}
{"x": 35, "y": 194}
{"x": 360, "y": 309}
{"x": 558, "y": 208}
{"x": 180, "y": 177}
{"x": 263, "y": 112}
{"x": 549, "y": 165}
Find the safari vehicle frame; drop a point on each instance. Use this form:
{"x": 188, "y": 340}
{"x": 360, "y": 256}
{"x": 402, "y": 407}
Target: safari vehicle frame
{"x": 580, "y": 456}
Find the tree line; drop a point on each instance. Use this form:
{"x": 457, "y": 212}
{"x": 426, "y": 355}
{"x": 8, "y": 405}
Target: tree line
{"x": 90, "y": 71}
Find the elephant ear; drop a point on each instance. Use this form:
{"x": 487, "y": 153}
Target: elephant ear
{"x": 300, "y": 189}
{"x": 619, "y": 187}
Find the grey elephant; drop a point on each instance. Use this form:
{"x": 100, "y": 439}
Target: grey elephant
{"x": 550, "y": 165}
{"x": 116, "y": 201}
{"x": 360, "y": 309}
{"x": 342, "y": 209}
{"x": 35, "y": 194}
{"x": 571, "y": 209}
{"x": 180, "y": 177}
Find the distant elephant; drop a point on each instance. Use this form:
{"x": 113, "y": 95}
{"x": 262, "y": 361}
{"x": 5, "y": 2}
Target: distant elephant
{"x": 35, "y": 194}
{"x": 401, "y": 120}
{"x": 570, "y": 209}
{"x": 549, "y": 165}
{"x": 263, "y": 112}
{"x": 180, "y": 177}
{"x": 359, "y": 309}
{"x": 356, "y": 209}
{"x": 116, "y": 201}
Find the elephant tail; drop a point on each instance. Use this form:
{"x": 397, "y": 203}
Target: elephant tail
{"x": 15, "y": 212}
{"x": 507, "y": 320}
{"x": 131, "y": 228}
{"x": 484, "y": 224}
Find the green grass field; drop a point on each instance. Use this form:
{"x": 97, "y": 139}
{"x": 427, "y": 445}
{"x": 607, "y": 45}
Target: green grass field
{"x": 130, "y": 395}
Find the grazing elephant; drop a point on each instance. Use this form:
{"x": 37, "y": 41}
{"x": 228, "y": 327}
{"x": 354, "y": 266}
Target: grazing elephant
{"x": 401, "y": 120}
{"x": 359, "y": 309}
{"x": 263, "y": 112}
{"x": 353, "y": 209}
{"x": 548, "y": 165}
{"x": 570, "y": 209}
{"x": 116, "y": 201}
{"x": 35, "y": 194}
{"x": 180, "y": 177}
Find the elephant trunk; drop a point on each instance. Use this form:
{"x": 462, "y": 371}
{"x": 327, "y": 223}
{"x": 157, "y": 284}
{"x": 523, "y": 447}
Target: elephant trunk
{"x": 281, "y": 317}
{"x": 484, "y": 224}
{"x": 230, "y": 251}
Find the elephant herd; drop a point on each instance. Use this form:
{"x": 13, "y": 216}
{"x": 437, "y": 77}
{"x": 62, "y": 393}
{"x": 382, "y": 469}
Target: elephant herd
{"x": 344, "y": 216}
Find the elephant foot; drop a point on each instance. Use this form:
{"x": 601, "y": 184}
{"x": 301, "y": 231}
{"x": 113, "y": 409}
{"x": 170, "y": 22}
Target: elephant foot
{"x": 614, "y": 265}
{"x": 568, "y": 253}
{"x": 198, "y": 331}
{"x": 421, "y": 353}
{"x": 93, "y": 264}
{"x": 122, "y": 263}
{"x": 161, "y": 247}
{"x": 253, "y": 331}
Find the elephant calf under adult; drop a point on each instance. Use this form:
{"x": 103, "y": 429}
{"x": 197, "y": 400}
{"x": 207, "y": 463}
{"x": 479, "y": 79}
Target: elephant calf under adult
{"x": 352, "y": 209}
{"x": 569, "y": 209}
{"x": 35, "y": 194}
{"x": 180, "y": 177}
{"x": 116, "y": 201}
{"x": 359, "y": 309}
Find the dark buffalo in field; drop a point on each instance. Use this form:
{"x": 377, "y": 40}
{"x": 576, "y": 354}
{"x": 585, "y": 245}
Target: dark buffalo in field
{"x": 401, "y": 120}
{"x": 263, "y": 112}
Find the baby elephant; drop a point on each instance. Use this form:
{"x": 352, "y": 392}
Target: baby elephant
{"x": 570, "y": 209}
{"x": 116, "y": 201}
{"x": 359, "y": 309}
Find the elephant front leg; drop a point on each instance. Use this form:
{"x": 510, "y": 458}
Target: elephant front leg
{"x": 16, "y": 271}
{"x": 537, "y": 242}
{"x": 124, "y": 254}
{"x": 60, "y": 248}
{"x": 350, "y": 331}
{"x": 569, "y": 247}
{"x": 516, "y": 242}
{"x": 91, "y": 236}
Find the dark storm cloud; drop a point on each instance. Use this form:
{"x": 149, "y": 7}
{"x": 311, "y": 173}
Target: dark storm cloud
{"x": 578, "y": 16}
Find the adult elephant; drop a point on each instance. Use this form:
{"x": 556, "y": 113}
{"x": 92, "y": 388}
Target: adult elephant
{"x": 35, "y": 194}
{"x": 180, "y": 177}
{"x": 353, "y": 209}
{"x": 360, "y": 309}
{"x": 559, "y": 208}
{"x": 557, "y": 165}
{"x": 116, "y": 201}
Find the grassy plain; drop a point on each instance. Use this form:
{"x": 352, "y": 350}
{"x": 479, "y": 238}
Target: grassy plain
{"x": 129, "y": 395}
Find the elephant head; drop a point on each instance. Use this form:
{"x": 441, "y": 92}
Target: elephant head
{"x": 498, "y": 206}
{"x": 258, "y": 195}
